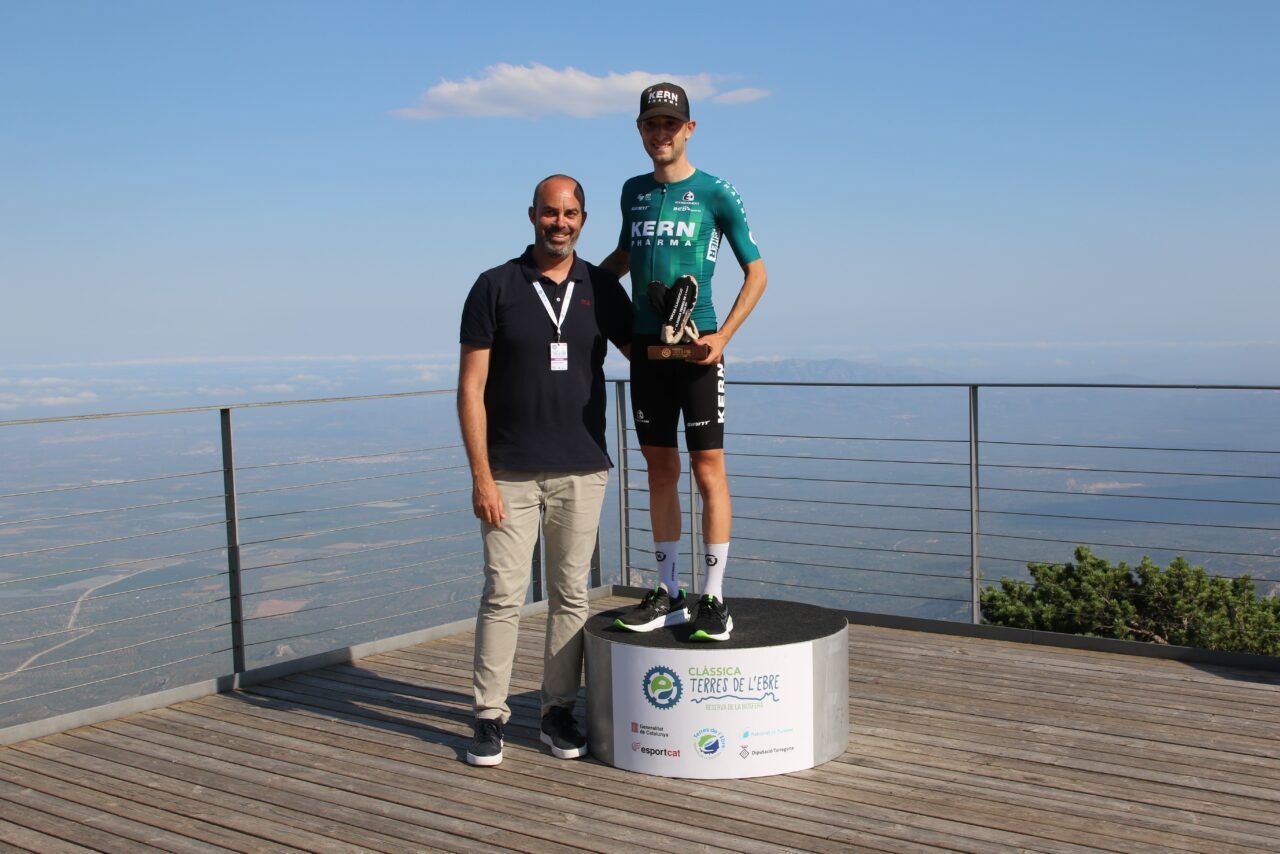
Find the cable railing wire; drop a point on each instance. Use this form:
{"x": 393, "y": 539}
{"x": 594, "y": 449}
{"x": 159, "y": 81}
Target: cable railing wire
{"x": 115, "y": 676}
{"x": 469, "y": 575}
{"x": 359, "y": 575}
{"x": 356, "y": 504}
{"x": 843, "y": 590}
{"x": 737, "y": 475}
{"x": 105, "y": 484}
{"x": 247, "y": 492}
{"x": 738, "y": 516}
{"x": 1086, "y": 470}
{"x": 83, "y": 513}
{"x": 1125, "y": 447}
{"x": 119, "y": 649}
{"x": 844, "y": 459}
{"x": 133, "y": 562}
{"x": 116, "y": 622}
{"x": 353, "y": 552}
{"x": 737, "y": 537}
{"x": 131, "y": 590}
{"x": 380, "y": 523}
{"x": 1132, "y": 546}
{"x": 47, "y": 549}
{"x": 345, "y": 458}
{"x": 788, "y": 562}
{"x": 366, "y": 622}
{"x": 1256, "y": 503}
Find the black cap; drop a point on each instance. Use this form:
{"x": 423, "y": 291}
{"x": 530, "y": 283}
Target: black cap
{"x": 664, "y": 99}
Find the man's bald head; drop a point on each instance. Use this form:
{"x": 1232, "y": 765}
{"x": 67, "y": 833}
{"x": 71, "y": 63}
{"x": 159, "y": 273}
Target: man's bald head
{"x": 577, "y": 190}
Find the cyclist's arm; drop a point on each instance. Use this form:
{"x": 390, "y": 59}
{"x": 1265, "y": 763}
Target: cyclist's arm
{"x": 618, "y": 261}
{"x": 732, "y": 220}
{"x": 753, "y": 285}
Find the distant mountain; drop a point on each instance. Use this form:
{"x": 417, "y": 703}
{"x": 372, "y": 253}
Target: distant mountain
{"x": 833, "y": 371}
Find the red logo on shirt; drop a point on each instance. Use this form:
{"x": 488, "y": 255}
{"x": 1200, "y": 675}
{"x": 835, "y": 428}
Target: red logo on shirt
{"x": 586, "y": 302}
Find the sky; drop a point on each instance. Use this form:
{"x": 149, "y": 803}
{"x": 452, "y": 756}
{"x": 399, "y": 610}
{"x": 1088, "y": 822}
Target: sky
{"x": 990, "y": 189}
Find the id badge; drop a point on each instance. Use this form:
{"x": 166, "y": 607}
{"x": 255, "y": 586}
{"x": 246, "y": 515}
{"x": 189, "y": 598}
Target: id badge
{"x": 559, "y": 356}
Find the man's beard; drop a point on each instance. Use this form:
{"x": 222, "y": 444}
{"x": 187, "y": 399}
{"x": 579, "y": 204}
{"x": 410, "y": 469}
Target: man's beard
{"x": 543, "y": 239}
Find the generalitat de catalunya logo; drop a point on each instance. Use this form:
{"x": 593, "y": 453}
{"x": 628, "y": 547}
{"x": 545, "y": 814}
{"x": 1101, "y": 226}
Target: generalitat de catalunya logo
{"x": 709, "y": 742}
{"x": 662, "y": 687}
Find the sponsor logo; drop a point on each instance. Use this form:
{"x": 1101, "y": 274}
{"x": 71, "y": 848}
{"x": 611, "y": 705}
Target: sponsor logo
{"x": 640, "y": 417}
{"x": 680, "y": 208}
{"x": 713, "y": 247}
{"x": 698, "y": 423}
{"x": 648, "y": 729}
{"x": 639, "y": 207}
{"x": 662, "y": 687}
{"x": 663, "y": 96}
{"x": 744, "y": 753}
{"x": 720, "y": 393}
{"x": 655, "y": 751}
{"x": 712, "y": 560}
{"x": 709, "y": 742}
{"x": 635, "y": 727}
{"x": 644, "y": 197}
{"x": 688, "y": 197}
{"x": 766, "y": 733}
{"x": 664, "y": 228}
{"x": 585, "y": 301}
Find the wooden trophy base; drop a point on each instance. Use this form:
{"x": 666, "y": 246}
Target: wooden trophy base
{"x": 684, "y": 352}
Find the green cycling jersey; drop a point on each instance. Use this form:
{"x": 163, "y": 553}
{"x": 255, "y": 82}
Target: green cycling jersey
{"x": 673, "y": 230}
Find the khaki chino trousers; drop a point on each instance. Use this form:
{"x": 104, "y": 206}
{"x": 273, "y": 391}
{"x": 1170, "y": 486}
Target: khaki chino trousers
{"x": 572, "y": 501}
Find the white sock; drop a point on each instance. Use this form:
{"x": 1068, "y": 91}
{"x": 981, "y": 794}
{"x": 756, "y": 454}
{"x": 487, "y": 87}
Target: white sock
{"x": 715, "y": 555}
{"x": 666, "y": 555}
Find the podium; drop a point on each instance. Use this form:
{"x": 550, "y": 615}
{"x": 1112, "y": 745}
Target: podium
{"x": 772, "y": 699}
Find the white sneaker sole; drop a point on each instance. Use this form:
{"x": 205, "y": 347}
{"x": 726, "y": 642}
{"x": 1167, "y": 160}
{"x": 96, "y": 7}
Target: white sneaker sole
{"x": 675, "y": 618}
{"x": 560, "y": 753}
{"x": 483, "y": 761}
{"x": 723, "y": 636}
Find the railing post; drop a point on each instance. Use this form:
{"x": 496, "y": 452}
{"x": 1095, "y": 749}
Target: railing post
{"x": 624, "y": 546}
{"x": 695, "y": 553}
{"x": 233, "y": 543}
{"x": 975, "y": 572}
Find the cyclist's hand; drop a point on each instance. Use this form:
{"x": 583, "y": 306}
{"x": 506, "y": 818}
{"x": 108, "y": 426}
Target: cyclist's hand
{"x": 716, "y": 342}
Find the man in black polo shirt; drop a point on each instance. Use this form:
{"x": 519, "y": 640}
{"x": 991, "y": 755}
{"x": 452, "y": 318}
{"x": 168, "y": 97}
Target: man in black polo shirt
{"x": 531, "y": 402}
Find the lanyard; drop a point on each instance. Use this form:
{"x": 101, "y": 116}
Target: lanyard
{"x": 564, "y": 307}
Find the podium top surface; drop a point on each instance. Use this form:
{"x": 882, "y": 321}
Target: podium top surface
{"x": 756, "y": 623}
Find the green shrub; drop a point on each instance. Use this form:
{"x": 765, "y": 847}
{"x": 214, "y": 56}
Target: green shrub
{"x": 1181, "y": 604}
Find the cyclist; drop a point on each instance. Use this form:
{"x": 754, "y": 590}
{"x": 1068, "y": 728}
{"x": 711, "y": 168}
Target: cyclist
{"x": 673, "y": 222}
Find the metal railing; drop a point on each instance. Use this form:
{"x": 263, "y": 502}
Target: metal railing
{"x": 219, "y": 569}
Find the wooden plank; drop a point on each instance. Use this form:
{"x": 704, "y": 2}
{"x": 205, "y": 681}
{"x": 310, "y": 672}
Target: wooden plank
{"x": 22, "y": 838}
{"x": 886, "y": 813}
{"x": 434, "y": 809}
{"x": 181, "y": 797}
{"x": 72, "y": 822}
{"x": 561, "y": 786}
{"x": 441, "y": 785}
{"x": 1150, "y": 756}
{"x": 302, "y": 815}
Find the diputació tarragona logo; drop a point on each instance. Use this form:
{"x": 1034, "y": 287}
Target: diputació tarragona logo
{"x": 662, "y": 687}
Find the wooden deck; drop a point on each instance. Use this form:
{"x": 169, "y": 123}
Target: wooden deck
{"x": 955, "y": 744}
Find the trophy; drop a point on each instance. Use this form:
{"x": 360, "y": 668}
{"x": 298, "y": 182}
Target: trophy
{"x": 674, "y": 307}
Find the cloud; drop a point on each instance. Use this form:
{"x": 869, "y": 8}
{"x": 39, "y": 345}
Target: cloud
{"x": 505, "y": 90}
{"x": 741, "y": 96}
{"x": 280, "y": 388}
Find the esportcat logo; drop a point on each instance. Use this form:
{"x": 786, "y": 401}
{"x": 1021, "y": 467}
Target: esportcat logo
{"x": 662, "y": 687}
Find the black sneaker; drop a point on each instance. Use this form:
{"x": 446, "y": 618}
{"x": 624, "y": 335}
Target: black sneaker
{"x": 486, "y": 747}
{"x": 560, "y": 733}
{"x": 713, "y": 622}
{"x": 656, "y": 609}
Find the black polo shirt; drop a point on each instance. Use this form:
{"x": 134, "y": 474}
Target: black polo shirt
{"x": 539, "y": 419}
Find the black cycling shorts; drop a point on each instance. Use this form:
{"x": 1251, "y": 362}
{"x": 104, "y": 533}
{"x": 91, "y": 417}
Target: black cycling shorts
{"x": 661, "y": 390}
